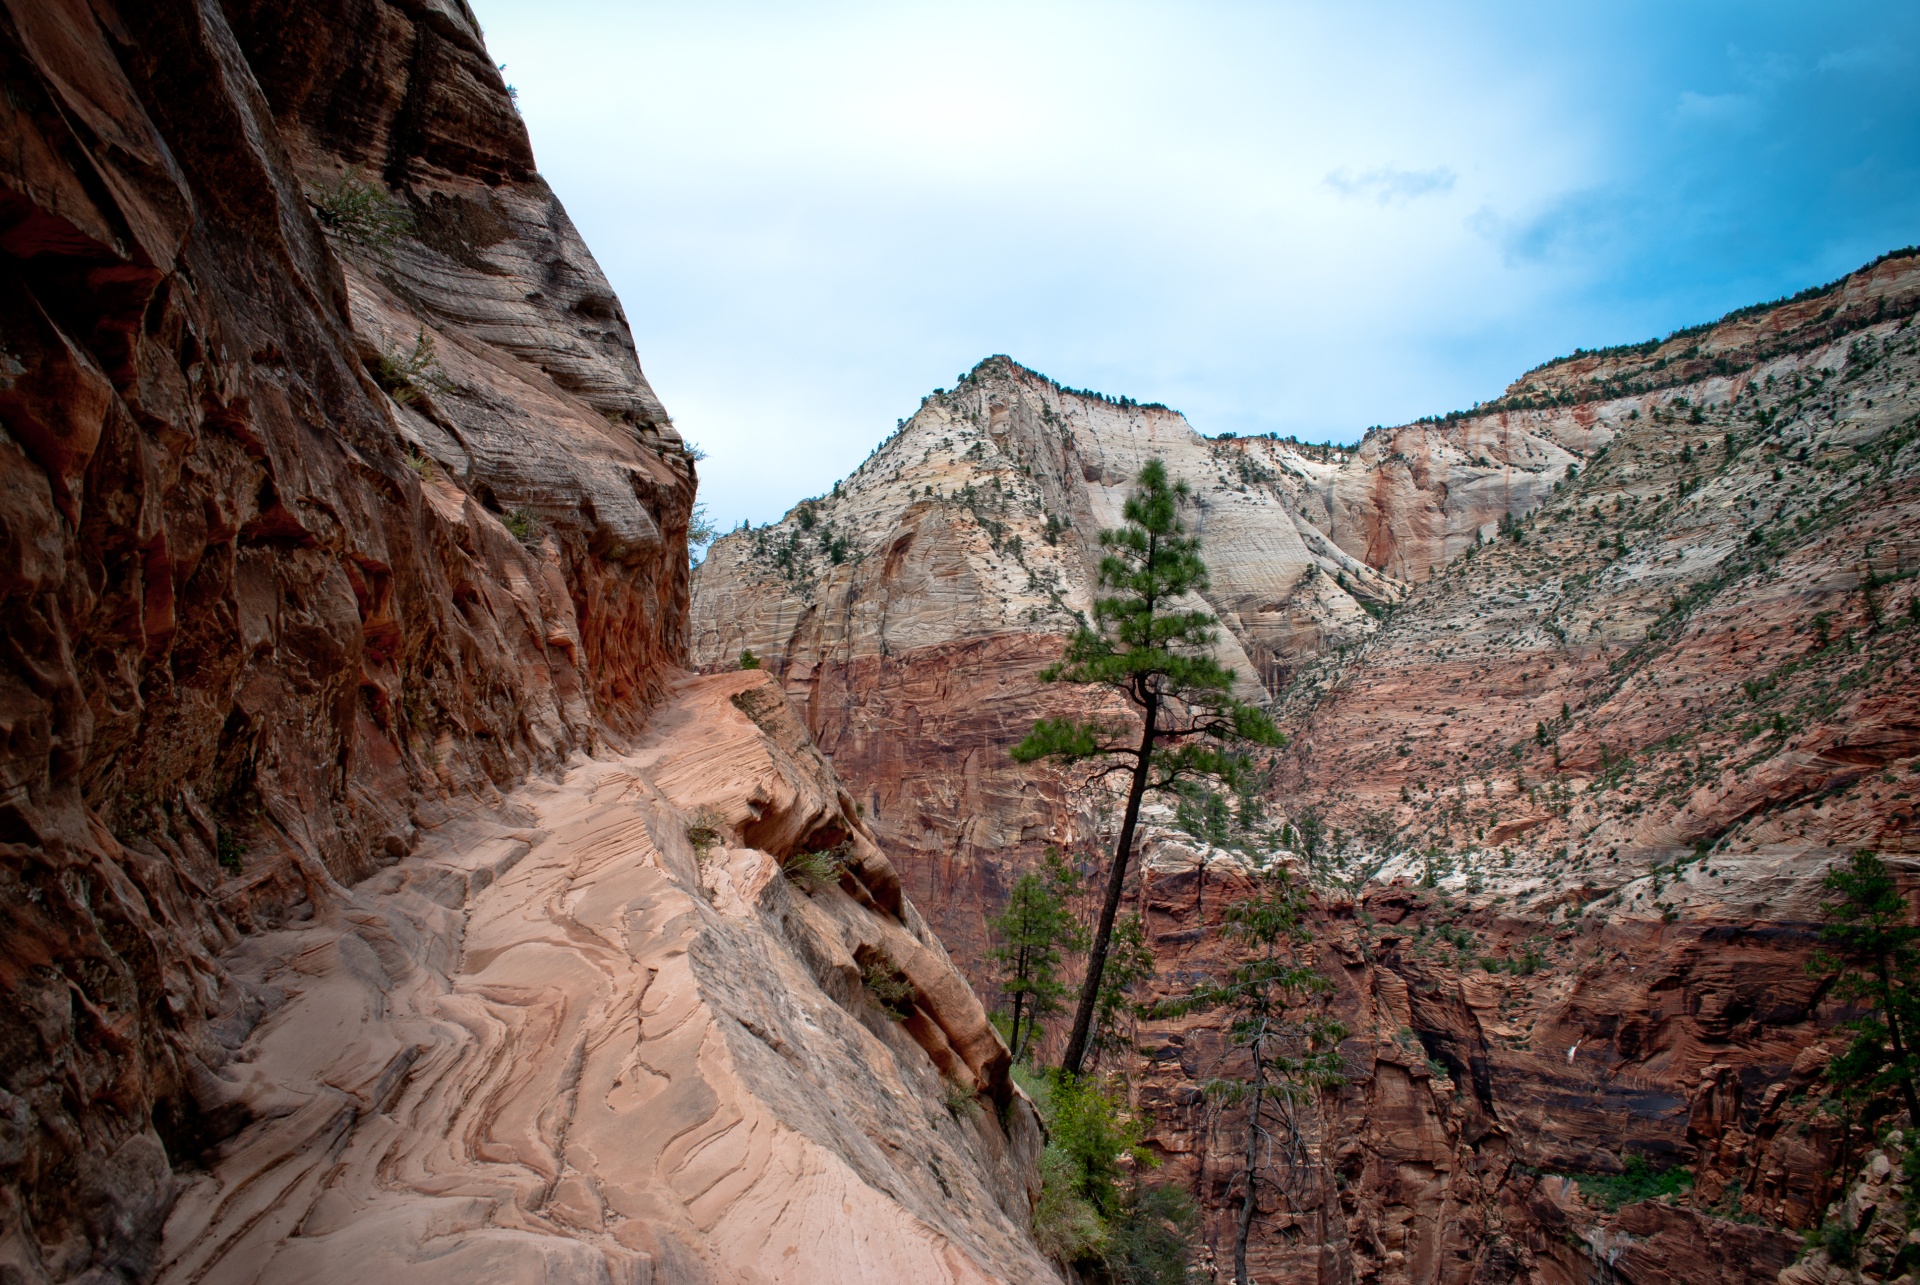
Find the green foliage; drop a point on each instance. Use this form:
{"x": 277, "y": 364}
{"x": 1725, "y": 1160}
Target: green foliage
{"x": 700, "y": 532}
{"x": 360, "y": 213}
{"x": 892, "y": 993}
{"x": 959, "y": 1100}
{"x": 229, "y": 850}
{"x": 1638, "y": 1182}
{"x": 1872, "y": 950}
{"x": 1066, "y": 1226}
{"x": 1095, "y": 1212}
{"x": 1310, "y": 830}
{"x": 525, "y": 526}
{"x": 410, "y": 375}
{"x": 1033, "y": 932}
{"x": 815, "y": 870}
{"x": 1840, "y": 1241}
{"x": 1268, "y": 990}
{"x": 1145, "y": 647}
{"x": 1150, "y": 1242}
{"x": 1129, "y": 963}
{"x": 748, "y": 660}
{"x": 703, "y": 832}
{"x": 1204, "y": 814}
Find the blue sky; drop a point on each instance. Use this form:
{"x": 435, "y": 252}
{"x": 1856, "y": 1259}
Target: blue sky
{"x": 1306, "y": 218}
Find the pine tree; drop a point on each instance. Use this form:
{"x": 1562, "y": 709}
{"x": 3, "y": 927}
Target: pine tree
{"x": 1034, "y": 930}
{"x": 1148, "y": 647}
{"x": 1275, "y": 997}
{"x": 1874, "y": 949}
{"x": 1129, "y": 962}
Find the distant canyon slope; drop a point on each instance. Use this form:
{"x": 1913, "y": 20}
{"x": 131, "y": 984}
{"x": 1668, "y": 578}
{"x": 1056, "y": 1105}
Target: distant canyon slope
{"x": 1601, "y": 675}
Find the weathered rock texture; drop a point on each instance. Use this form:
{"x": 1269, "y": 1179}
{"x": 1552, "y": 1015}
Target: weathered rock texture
{"x": 1655, "y": 672}
{"x": 598, "y": 1036}
{"x": 309, "y": 534}
{"x": 1611, "y": 754}
{"x": 908, "y": 612}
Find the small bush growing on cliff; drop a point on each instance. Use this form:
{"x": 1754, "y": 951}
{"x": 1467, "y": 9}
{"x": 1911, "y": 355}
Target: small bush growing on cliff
{"x": 408, "y": 376}
{"x": 748, "y": 660}
{"x": 703, "y": 832}
{"x": 892, "y": 993}
{"x": 815, "y": 871}
{"x": 525, "y": 526}
{"x": 360, "y": 212}
{"x": 229, "y": 850}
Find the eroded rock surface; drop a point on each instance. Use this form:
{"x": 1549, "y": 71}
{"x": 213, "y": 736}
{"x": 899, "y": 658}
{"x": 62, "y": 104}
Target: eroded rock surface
{"x": 1654, "y": 674}
{"x": 266, "y": 594}
{"x": 600, "y": 1037}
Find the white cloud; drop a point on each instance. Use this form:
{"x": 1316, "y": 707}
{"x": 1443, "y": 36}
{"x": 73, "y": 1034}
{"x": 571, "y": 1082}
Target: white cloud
{"x": 1391, "y": 185}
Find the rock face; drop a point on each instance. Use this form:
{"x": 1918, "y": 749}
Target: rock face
{"x": 1644, "y": 669}
{"x": 907, "y": 612}
{"x": 335, "y": 505}
{"x": 1614, "y": 752}
{"x": 598, "y": 1036}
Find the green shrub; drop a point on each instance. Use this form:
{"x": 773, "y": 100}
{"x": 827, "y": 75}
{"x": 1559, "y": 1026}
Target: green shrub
{"x": 525, "y": 526}
{"x": 1066, "y": 1226}
{"x": 703, "y": 832}
{"x": 748, "y": 660}
{"x": 892, "y": 993}
{"x": 360, "y": 213}
{"x": 1095, "y": 1212}
{"x": 1638, "y": 1182}
{"x": 1840, "y": 1241}
{"x": 815, "y": 871}
{"x": 229, "y": 850}
{"x": 408, "y": 376}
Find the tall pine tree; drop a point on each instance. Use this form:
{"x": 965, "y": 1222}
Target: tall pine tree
{"x": 1153, "y": 648}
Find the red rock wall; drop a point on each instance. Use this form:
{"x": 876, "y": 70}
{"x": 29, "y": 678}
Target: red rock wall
{"x": 247, "y": 638}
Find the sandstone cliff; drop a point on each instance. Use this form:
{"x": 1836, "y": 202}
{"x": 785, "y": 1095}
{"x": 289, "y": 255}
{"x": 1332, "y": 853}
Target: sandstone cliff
{"x": 907, "y": 611}
{"x": 336, "y": 507}
{"x": 1643, "y": 668}
{"x": 598, "y": 1036}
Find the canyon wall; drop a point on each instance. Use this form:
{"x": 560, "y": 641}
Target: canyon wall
{"x": 1633, "y": 667}
{"x": 336, "y": 507}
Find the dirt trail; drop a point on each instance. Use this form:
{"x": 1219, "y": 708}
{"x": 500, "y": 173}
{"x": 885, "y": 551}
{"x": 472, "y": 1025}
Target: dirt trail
{"x": 559, "y": 1043}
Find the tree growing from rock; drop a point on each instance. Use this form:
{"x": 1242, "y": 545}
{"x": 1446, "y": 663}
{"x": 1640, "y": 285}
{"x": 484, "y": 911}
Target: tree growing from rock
{"x": 1035, "y": 931}
{"x": 1274, "y": 996}
{"x": 1872, "y": 948}
{"x": 1151, "y": 646}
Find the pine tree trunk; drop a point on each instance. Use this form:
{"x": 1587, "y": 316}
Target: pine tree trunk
{"x": 1248, "y": 1203}
{"x": 1899, "y": 1046}
{"x": 1116, "y": 885}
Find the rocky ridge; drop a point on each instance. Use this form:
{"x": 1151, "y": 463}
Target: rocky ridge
{"x": 597, "y": 1035}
